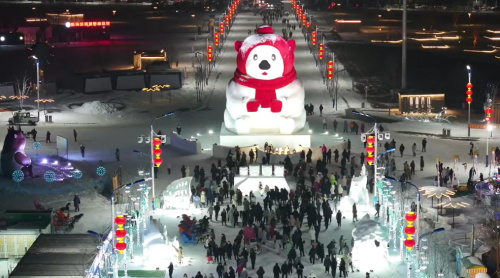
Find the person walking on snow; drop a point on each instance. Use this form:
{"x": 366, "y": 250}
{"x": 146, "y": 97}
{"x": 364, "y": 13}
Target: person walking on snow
{"x": 321, "y": 109}
{"x": 33, "y": 133}
{"x": 179, "y": 129}
{"x": 345, "y": 126}
{"x": 339, "y": 219}
{"x": 414, "y": 149}
{"x": 354, "y": 213}
{"x": 424, "y": 145}
{"x": 76, "y": 203}
{"x": 47, "y": 138}
{"x": 335, "y": 125}
{"x": 82, "y": 150}
{"x": 401, "y": 149}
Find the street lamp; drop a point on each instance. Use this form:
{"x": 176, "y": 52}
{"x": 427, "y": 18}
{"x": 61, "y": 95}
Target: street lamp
{"x": 469, "y": 99}
{"x": 37, "y": 83}
{"x": 375, "y": 129}
{"x": 152, "y": 134}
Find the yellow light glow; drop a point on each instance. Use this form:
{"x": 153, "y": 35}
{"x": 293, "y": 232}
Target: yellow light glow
{"x": 430, "y": 33}
{"x": 493, "y": 31}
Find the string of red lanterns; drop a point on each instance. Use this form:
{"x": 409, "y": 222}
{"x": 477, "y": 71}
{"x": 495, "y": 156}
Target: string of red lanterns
{"x": 120, "y": 233}
{"x": 410, "y": 230}
{"x": 157, "y": 151}
{"x": 469, "y": 93}
{"x": 370, "y": 150}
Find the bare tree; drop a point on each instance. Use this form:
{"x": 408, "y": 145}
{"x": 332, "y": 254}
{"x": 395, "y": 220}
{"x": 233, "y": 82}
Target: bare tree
{"x": 23, "y": 89}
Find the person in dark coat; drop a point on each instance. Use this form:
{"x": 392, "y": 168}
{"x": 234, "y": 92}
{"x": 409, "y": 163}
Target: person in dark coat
{"x": 312, "y": 255}
{"x": 231, "y": 272}
{"x": 76, "y": 203}
{"x": 220, "y": 270}
{"x": 284, "y": 270}
{"x": 334, "y": 265}
{"x": 223, "y": 217}
{"x": 342, "y": 268}
{"x": 276, "y": 271}
{"x": 253, "y": 256}
{"x": 327, "y": 264}
{"x": 170, "y": 270}
{"x": 339, "y": 219}
{"x": 300, "y": 269}
{"x": 260, "y": 272}
{"x": 354, "y": 213}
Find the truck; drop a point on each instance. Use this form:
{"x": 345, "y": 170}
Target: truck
{"x": 23, "y": 118}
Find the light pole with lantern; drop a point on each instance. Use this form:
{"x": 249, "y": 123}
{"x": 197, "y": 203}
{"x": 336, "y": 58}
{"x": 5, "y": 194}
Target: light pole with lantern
{"x": 469, "y": 98}
{"x": 375, "y": 130}
{"x": 153, "y": 162}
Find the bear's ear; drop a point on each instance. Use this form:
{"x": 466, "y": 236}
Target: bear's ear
{"x": 292, "y": 45}
{"x": 237, "y": 45}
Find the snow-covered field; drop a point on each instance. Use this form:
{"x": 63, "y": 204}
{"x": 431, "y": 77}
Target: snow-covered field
{"x": 110, "y": 121}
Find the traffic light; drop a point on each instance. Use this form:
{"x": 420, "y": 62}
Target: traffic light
{"x": 216, "y": 38}
{"x": 370, "y": 150}
{"x": 321, "y": 51}
{"x": 221, "y": 27}
{"x": 314, "y": 37}
{"x": 157, "y": 152}
{"x": 210, "y": 53}
{"x": 330, "y": 69}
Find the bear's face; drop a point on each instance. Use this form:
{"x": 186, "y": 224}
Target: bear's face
{"x": 14, "y": 141}
{"x": 265, "y": 62}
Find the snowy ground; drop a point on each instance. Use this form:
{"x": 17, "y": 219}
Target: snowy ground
{"x": 103, "y": 133}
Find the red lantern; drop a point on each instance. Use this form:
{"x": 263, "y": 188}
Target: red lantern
{"x": 157, "y": 151}
{"x": 121, "y": 233}
{"x": 370, "y": 140}
{"x": 411, "y": 217}
{"x": 489, "y": 110}
{"x": 330, "y": 69}
{"x": 469, "y": 93}
{"x": 469, "y": 86}
{"x": 469, "y": 100}
{"x": 158, "y": 161}
{"x": 157, "y": 141}
{"x": 121, "y": 246}
{"x": 370, "y": 149}
{"x": 321, "y": 51}
{"x": 410, "y": 230}
{"x": 120, "y": 220}
{"x": 314, "y": 37}
{"x": 409, "y": 243}
{"x": 370, "y": 159}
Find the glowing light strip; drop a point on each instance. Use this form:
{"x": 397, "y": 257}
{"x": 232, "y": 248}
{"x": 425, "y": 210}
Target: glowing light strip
{"x": 435, "y": 46}
{"x": 481, "y": 51}
{"x": 379, "y": 41}
{"x": 493, "y": 31}
{"x": 448, "y": 37}
{"x": 347, "y": 21}
{"x": 423, "y": 39}
{"x": 430, "y": 33}
{"x": 492, "y": 38}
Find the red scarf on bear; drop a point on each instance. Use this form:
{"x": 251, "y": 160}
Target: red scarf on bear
{"x": 265, "y": 90}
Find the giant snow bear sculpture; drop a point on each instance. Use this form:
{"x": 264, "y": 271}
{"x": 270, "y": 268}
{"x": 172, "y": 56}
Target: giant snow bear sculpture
{"x": 265, "y": 95}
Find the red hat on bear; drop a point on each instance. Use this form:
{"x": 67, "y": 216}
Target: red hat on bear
{"x": 265, "y": 36}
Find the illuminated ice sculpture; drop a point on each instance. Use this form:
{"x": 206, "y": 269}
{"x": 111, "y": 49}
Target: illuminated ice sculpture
{"x": 265, "y": 94}
{"x": 370, "y": 251}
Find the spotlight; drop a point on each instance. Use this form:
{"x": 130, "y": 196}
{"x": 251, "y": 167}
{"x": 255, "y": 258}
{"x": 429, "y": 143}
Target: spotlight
{"x": 44, "y": 161}
{"x": 210, "y": 132}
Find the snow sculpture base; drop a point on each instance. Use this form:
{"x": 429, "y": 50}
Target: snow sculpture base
{"x": 366, "y": 254}
{"x": 247, "y": 184}
{"x": 293, "y": 141}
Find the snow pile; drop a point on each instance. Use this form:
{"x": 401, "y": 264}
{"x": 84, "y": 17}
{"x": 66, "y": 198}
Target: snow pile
{"x": 96, "y": 108}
